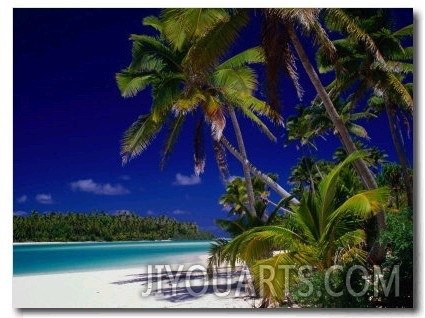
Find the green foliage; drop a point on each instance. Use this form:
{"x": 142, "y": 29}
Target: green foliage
{"x": 181, "y": 68}
{"x": 324, "y": 232}
{"x": 235, "y": 200}
{"x": 399, "y": 237}
{"x": 72, "y": 227}
{"x": 391, "y": 176}
{"x": 323, "y": 287}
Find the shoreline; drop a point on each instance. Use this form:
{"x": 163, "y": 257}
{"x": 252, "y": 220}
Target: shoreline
{"x": 87, "y": 242}
{"x": 189, "y": 258}
{"x": 183, "y": 287}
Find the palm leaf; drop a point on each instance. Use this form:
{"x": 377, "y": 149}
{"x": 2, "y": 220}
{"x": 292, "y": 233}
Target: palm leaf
{"x": 358, "y": 130}
{"x": 249, "y": 56}
{"x": 198, "y": 145}
{"x": 254, "y": 118}
{"x": 131, "y": 83}
{"x": 340, "y": 20}
{"x": 327, "y": 186}
{"x": 405, "y": 31}
{"x": 364, "y": 204}
{"x": 242, "y": 79}
{"x": 220, "y": 156}
{"x": 139, "y": 135}
{"x": 204, "y": 54}
{"x": 185, "y": 25}
{"x": 216, "y": 258}
{"x": 154, "y": 22}
{"x": 164, "y": 94}
{"x": 150, "y": 54}
{"x": 173, "y": 134}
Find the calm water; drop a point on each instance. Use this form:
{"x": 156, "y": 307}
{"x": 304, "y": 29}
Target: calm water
{"x": 68, "y": 257}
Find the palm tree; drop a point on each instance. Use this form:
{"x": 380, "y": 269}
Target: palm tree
{"x": 177, "y": 92}
{"x": 308, "y": 20}
{"x": 307, "y": 174}
{"x": 361, "y": 70}
{"x": 324, "y": 231}
{"x": 312, "y": 122}
{"x": 392, "y": 176}
{"x": 235, "y": 200}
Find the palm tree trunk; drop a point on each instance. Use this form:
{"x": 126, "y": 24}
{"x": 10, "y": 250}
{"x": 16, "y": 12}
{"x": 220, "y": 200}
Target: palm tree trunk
{"x": 265, "y": 178}
{"x": 361, "y": 167}
{"x": 246, "y": 172}
{"x": 390, "y": 111}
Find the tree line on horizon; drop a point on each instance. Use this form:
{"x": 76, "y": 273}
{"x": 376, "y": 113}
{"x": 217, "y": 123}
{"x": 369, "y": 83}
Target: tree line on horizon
{"x": 73, "y": 227}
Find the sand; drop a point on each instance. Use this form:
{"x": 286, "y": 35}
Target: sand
{"x": 184, "y": 286}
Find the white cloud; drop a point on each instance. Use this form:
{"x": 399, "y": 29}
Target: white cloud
{"x": 22, "y": 199}
{"x": 186, "y": 180}
{"x": 88, "y": 185}
{"x": 20, "y": 213}
{"x": 44, "y": 198}
{"x": 150, "y": 212}
{"x": 180, "y": 212}
{"x": 231, "y": 178}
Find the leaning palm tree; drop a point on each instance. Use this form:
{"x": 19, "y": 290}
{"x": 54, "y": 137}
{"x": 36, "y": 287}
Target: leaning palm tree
{"x": 176, "y": 93}
{"x": 324, "y": 231}
{"x": 361, "y": 71}
{"x": 279, "y": 34}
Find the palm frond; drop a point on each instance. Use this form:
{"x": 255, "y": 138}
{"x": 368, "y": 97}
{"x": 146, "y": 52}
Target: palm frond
{"x": 216, "y": 258}
{"x": 242, "y": 79}
{"x": 340, "y": 20}
{"x": 274, "y": 276}
{"x": 183, "y": 25}
{"x": 150, "y": 54}
{"x": 186, "y": 103}
{"x": 394, "y": 67}
{"x": 173, "y": 133}
{"x": 327, "y": 186}
{"x": 215, "y": 115}
{"x": 399, "y": 90}
{"x": 164, "y": 93}
{"x": 405, "y": 31}
{"x": 349, "y": 247}
{"x": 261, "y": 108}
{"x": 406, "y": 54}
{"x": 358, "y": 130}
{"x": 198, "y": 145}
{"x": 154, "y": 22}
{"x": 254, "y": 118}
{"x": 207, "y": 50}
{"x": 272, "y": 41}
{"x": 138, "y": 136}
{"x": 220, "y": 156}
{"x": 252, "y": 55}
{"x": 131, "y": 83}
{"x": 363, "y": 205}
{"x": 260, "y": 241}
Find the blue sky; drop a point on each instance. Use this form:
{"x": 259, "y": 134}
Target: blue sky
{"x": 69, "y": 118}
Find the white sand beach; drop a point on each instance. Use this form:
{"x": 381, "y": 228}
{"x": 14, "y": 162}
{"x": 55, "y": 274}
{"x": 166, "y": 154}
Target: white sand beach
{"x": 182, "y": 286}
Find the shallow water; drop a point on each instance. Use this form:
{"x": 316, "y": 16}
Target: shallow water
{"x": 45, "y": 258}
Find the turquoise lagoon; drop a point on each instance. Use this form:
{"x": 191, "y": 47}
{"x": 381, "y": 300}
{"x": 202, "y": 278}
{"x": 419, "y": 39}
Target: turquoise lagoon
{"x": 46, "y": 258}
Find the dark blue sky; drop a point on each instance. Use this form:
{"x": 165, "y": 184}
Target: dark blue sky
{"x": 69, "y": 118}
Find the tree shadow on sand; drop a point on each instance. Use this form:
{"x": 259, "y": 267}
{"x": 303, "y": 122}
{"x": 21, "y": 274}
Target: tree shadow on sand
{"x": 179, "y": 285}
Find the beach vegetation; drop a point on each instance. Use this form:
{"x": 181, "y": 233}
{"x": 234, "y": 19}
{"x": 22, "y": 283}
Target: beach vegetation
{"x": 100, "y": 226}
{"x": 336, "y": 212}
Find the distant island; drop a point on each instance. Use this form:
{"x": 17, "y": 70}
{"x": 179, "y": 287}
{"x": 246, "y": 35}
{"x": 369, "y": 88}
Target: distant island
{"x": 100, "y": 226}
